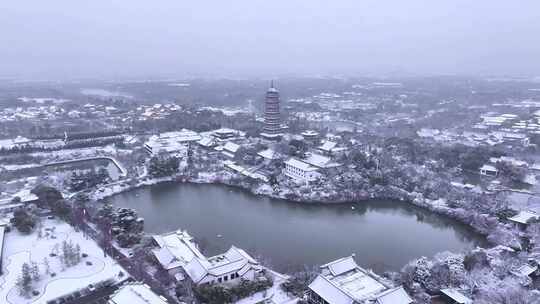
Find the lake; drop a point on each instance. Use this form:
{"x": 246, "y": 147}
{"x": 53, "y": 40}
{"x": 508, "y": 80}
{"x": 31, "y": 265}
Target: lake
{"x": 384, "y": 235}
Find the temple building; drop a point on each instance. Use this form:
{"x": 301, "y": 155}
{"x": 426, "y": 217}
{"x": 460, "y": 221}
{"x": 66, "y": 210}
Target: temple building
{"x": 272, "y": 120}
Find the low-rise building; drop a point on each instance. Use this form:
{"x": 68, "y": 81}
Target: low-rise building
{"x": 310, "y": 135}
{"x": 344, "y": 282}
{"x": 226, "y": 133}
{"x": 454, "y": 296}
{"x": 269, "y": 155}
{"x": 179, "y": 254}
{"x": 331, "y": 148}
{"x": 300, "y": 171}
{"x": 524, "y": 218}
{"x": 136, "y": 293}
{"x": 527, "y": 270}
{"x": 230, "y": 149}
{"x": 171, "y": 142}
{"x": 207, "y": 142}
{"x": 320, "y": 161}
{"x": 16, "y": 142}
{"x": 489, "y": 170}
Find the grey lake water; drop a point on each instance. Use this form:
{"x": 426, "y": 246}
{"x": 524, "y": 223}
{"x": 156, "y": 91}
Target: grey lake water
{"x": 384, "y": 235}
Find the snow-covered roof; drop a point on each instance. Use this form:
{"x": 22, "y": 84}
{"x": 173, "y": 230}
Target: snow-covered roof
{"x": 231, "y": 147}
{"x": 269, "y": 154}
{"x": 300, "y": 164}
{"x": 176, "y": 249}
{"x": 179, "y": 250}
{"x": 343, "y": 282}
{"x": 136, "y": 293}
{"x": 328, "y": 146}
{"x": 523, "y": 217}
{"x": 310, "y": 133}
{"x": 488, "y": 168}
{"x": 197, "y": 269}
{"x": 26, "y": 195}
{"x": 166, "y": 258}
{"x": 225, "y": 131}
{"x": 246, "y": 172}
{"x": 456, "y": 296}
{"x": 396, "y": 295}
{"x": 329, "y": 292}
{"x": 171, "y": 141}
{"x": 206, "y": 141}
{"x": 318, "y": 160}
{"x": 11, "y": 143}
{"x": 525, "y": 270}
{"x": 340, "y": 266}
{"x": 234, "y": 260}
{"x": 427, "y": 132}
{"x": 183, "y": 135}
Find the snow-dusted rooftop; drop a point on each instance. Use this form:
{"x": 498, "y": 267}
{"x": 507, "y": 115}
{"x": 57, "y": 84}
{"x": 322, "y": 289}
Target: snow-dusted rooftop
{"x": 206, "y": 141}
{"x": 523, "y": 217}
{"x": 396, "y": 295}
{"x": 269, "y": 154}
{"x": 344, "y": 282}
{"x": 136, "y": 293}
{"x": 310, "y": 133}
{"x": 231, "y": 147}
{"x": 488, "y": 168}
{"x": 300, "y": 165}
{"x": 317, "y": 160}
{"x": 525, "y": 270}
{"x": 235, "y": 259}
{"x": 456, "y": 296}
{"x": 178, "y": 249}
{"x": 328, "y": 146}
{"x": 11, "y": 143}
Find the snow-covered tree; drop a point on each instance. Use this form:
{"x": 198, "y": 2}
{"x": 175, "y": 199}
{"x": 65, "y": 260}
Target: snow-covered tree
{"x": 26, "y": 279}
{"x": 35, "y": 271}
{"x": 46, "y": 265}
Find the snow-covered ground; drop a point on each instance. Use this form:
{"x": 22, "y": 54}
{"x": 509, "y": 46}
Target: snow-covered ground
{"x": 67, "y": 154}
{"x": 19, "y": 249}
{"x": 273, "y": 295}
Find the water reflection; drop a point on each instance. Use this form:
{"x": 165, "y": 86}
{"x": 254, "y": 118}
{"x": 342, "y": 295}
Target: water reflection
{"x": 384, "y": 234}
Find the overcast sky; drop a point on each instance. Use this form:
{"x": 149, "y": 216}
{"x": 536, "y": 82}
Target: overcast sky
{"x": 107, "y": 38}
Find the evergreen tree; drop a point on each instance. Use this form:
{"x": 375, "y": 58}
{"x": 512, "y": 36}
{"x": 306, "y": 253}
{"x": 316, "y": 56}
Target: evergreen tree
{"x": 19, "y": 284}
{"x": 46, "y": 265}
{"x": 26, "y": 277}
{"x": 35, "y": 271}
{"x": 77, "y": 254}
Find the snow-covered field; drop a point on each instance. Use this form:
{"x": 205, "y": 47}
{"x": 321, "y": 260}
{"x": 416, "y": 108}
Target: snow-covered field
{"x": 19, "y": 249}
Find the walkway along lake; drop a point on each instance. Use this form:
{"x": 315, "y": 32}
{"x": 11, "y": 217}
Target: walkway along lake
{"x": 384, "y": 235}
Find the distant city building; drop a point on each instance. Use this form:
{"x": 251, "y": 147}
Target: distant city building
{"x": 272, "y": 116}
